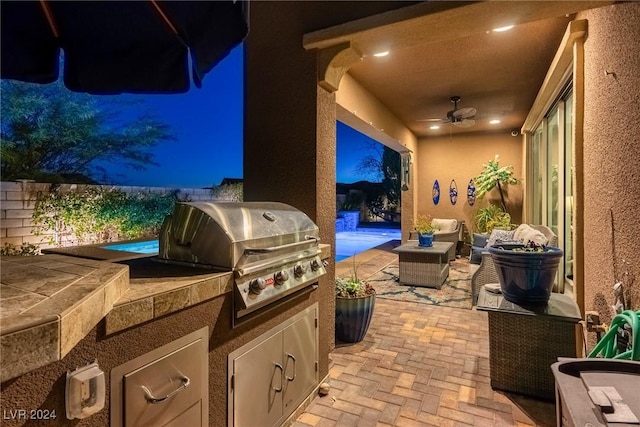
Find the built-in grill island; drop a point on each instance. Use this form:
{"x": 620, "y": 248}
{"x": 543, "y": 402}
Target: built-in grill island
{"x": 271, "y": 247}
{"x": 231, "y": 302}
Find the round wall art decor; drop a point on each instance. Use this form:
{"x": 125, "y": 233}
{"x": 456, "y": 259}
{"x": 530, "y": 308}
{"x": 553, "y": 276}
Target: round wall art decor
{"x": 471, "y": 193}
{"x": 435, "y": 193}
{"x": 453, "y": 192}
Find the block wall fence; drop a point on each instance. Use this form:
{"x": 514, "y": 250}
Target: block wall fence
{"x": 17, "y": 201}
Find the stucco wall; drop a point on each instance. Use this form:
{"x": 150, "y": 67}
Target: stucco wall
{"x": 460, "y": 158}
{"x": 611, "y": 155}
{"x": 44, "y": 388}
{"x": 289, "y": 123}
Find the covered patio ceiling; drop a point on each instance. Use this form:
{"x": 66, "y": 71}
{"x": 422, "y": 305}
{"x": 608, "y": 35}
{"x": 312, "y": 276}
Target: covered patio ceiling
{"x": 442, "y": 49}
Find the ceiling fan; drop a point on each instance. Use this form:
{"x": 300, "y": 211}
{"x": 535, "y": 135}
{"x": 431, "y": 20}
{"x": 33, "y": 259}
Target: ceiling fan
{"x": 461, "y": 117}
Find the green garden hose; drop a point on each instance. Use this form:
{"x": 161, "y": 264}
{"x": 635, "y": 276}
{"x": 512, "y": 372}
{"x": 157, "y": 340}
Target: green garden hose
{"x": 607, "y": 347}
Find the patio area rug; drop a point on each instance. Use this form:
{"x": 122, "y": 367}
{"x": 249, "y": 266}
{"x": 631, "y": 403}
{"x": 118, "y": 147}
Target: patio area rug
{"x": 455, "y": 292}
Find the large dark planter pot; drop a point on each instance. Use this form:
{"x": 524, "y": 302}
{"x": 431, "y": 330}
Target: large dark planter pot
{"x": 353, "y": 316}
{"x": 526, "y": 277}
{"x": 425, "y": 240}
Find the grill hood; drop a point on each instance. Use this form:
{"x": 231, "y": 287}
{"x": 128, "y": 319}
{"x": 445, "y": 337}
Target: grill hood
{"x": 240, "y": 236}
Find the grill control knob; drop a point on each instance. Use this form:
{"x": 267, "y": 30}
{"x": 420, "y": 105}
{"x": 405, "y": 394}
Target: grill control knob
{"x": 299, "y": 270}
{"x": 315, "y": 265}
{"x": 281, "y": 277}
{"x": 257, "y": 285}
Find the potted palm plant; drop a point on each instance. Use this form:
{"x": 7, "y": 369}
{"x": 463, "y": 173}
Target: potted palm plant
{"x": 493, "y": 175}
{"x": 425, "y": 229}
{"x": 355, "y": 301}
{"x": 526, "y": 272}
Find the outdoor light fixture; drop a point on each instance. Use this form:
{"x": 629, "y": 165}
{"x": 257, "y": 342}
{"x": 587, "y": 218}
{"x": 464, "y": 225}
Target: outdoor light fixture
{"x": 405, "y": 161}
{"x": 502, "y": 29}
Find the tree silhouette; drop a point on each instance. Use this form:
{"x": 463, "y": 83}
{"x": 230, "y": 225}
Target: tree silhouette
{"x": 51, "y": 134}
{"x": 383, "y": 166}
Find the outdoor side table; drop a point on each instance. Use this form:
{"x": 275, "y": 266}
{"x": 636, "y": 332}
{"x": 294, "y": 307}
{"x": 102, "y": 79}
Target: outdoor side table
{"x": 524, "y": 341}
{"x": 423, "y": 266}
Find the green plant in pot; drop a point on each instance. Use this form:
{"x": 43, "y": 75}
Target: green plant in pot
{"x": 526, "y": 272}
{"x": 491, "y": 217}
{"x": 493, "y": 175}
{"x": 355, "y": 302}
{"x": 425, "y": 229}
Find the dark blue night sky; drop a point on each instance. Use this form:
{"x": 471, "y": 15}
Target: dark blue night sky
{"x": 208, "y": 126}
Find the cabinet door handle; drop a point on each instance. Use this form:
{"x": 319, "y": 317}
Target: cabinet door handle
{"x": 185, "y": 382}
{"x": 292, "y": 357}
{"x": 279, "y": 366}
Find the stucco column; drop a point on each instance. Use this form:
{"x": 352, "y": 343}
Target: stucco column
{"x": 289, "y": 136}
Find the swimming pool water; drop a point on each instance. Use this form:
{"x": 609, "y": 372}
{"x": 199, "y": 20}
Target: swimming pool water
{"x": 348, "y": 243}
{"x": 145, "y": 247}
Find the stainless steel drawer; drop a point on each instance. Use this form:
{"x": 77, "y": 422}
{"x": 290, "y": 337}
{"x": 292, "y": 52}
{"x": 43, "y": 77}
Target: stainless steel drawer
{"x": 168, "y": 386}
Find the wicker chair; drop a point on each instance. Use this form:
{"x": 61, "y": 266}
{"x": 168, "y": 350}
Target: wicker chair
{"x": 486, "y": 272}
{"x": 451, "y": 236}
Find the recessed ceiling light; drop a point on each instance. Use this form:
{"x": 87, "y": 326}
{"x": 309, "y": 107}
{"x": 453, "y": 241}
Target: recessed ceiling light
{"x": 501, "y": 29}
{"x": 494, "y": 121}
{"x": 381, "y": 54}
{"x": 434, "y": 127}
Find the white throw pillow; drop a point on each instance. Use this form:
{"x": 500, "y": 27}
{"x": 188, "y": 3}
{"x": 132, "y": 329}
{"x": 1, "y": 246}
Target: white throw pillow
{"x": 525, "y": 233}
{"x": 444, "y": 225}
{"x": 521, "y": 231}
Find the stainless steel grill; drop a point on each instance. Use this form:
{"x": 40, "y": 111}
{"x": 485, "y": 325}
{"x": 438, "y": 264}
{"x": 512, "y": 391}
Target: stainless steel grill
{"x": 271, "y": 247}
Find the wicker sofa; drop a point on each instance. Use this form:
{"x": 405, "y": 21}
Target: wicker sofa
{"x": 450, "y": 230}
{"x": 486, "y": 272}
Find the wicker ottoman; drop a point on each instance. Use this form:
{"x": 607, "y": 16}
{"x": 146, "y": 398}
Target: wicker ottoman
{"x": 423, "y": 266}
{"x": 525, "y": 341}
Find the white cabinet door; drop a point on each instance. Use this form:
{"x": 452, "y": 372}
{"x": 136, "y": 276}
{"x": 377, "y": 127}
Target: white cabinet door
{"x": 272, "y": 374}
{"x": 258, "y": 384}
{"x": 300, "y": 353}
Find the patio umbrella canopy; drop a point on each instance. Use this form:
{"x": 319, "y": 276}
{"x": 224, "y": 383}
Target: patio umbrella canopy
{"x": 113, "y": 47}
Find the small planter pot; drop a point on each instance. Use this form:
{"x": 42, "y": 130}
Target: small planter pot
{"x": 526, "y": 277}
{"x": 353, "y": 317}
{"x": 425, "y": 240}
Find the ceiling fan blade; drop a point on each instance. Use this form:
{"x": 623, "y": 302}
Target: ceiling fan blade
{"x": 430, "y": 120}
{"x": 465, "y": 113}
{"x": 465, "y": 123}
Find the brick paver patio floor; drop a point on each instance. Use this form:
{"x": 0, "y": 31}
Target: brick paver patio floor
{"x": 419, "y": 365}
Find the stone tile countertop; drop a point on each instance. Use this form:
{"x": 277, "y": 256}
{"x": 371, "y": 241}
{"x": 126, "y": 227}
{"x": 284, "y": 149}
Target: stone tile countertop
{"x": 48, "y": 303}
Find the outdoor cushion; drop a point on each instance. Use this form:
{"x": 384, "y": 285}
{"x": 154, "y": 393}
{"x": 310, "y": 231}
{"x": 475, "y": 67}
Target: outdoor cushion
{"x": 525, "y": 233}
{"x": 475, "y": 257}
{"x": 480, "y": 239}
{"x": 444, "y": 225}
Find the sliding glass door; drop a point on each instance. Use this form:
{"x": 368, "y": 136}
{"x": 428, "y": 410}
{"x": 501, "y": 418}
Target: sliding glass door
{"x": 552, "y": 177}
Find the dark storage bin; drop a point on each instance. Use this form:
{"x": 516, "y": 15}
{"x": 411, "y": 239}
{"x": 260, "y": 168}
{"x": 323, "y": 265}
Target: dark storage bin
{"x": 574, "y": 379}
{"x": 525, "y": 340}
